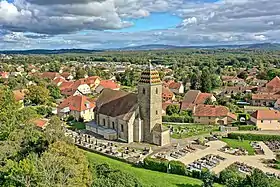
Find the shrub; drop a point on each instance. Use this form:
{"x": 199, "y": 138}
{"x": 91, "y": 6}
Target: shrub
{"x": 81, "y": 120}
{"x": 177, "y": 119}
{"x": 44, "y": 111}
{"x": 70, "y": 118}
{"x": 177, "y": 167}
{"x": 156, "y": 164}
{"x": 254, "y": 137}
{"x": 247, "y": 127}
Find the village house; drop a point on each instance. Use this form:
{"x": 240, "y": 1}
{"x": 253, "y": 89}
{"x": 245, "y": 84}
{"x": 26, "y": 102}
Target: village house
{"x": 233, "y": 90}
{"x": 266, "y": 119}
{"x": 264, "y": 99}
{"x": 4, "y": 75}
{"x": 195, "y": 97}
{"x": 58, "y": 81}
{"x": 78, "y": 106}
{"x": 232, "y": 81}
{"x": 41, "y": 123}
{"x": 175, "y": 87}
{"x": 107, "y": 84}
{"x": 132, "y": 117}
{"x": 67, "y": 76}
{"x": 51, "y": 75}
{"x": 211, "y": 114}
{"x": 19, "y": 96}
{"x": 79, "y": 87}
{"x": 271, "y": 87}
{"x": 167, "y": 94}
{"x": 93, "y": 82}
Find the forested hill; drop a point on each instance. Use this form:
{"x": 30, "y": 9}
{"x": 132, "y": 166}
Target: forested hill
{"x": 262, "y": 46}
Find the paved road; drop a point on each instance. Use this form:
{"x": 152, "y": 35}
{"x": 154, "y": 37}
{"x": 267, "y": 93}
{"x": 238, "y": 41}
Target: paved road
{"x": 214, "y": 146}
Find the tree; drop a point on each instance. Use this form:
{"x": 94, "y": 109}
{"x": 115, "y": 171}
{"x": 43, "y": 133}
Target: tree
{"x": 172, "y": 109}
{"x": 106, "y": 176}
{"x": 64, "y": 165}
{"x": 55, "y": 131}
{"x": 257, "y": 179}
{"x": 80, "y": 73}
{"x": 37, "y": 95}
{"x": 207, "y": 177}
{"x": 206, "y": 84}
{"x": 54, "y": 91}
{"x": 195, "y": 81}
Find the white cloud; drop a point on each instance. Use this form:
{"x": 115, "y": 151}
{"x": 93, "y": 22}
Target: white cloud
{"x": 57, "y": 23}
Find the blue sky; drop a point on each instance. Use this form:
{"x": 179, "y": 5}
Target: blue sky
{"x": 91, "y": 24}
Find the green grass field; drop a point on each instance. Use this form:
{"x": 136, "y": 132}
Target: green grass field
{"x": 148, "y": 177}
{"x": 77, "y": 125}
{"x": 192, "y": 130}
{"x": 245, "y": 144}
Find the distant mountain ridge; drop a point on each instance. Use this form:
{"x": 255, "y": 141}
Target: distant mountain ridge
{"x": 263, "y": 46}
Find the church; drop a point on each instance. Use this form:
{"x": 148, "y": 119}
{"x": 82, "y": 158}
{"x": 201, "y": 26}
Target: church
{"x": 132, "y": 117}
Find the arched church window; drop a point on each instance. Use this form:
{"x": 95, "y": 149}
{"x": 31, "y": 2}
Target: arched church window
{"x": 156, "y": 112}
{"x": 156, "y": 90}
{"x": 144, "y": 91}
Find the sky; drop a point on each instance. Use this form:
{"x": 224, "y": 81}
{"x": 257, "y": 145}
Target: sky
{"x": 105, "y": 24}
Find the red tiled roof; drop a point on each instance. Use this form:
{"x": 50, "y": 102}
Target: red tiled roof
{"x": 91, "y": 80}
{"x": 77, "y": 103}
{"x": 274, "y": 83}
{"x": 50, "y": 75}
{"x": 65, "y": 74}
{"x": 65, "y": 85}
{"x": 109, "y": 84}
{"x": 265, "y": 96}
{"x": 210, "y": 111}
{"x": 266, "y": 115}
{"x": 175, "y": 85}
{"x": 40, "y": 122}
{"x": 166, "y": 92}
{"x": 58, "y": 80}
{"x": 19, "y": 95}
{"x": 202, "y": 97}
{"x": 232, "y": 116}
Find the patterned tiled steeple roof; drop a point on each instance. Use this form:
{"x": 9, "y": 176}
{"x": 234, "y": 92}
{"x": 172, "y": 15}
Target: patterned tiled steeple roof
{"x": 150, "y": 76}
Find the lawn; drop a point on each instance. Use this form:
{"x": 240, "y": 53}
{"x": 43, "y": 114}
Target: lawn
{"x": 148, "y": 177}
{"x": 77, "y": 125}
{"x": 245, "y": 144}
{"x": 188, "y": 130}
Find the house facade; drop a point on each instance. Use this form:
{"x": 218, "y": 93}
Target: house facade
{"x": 213, "y": 115}
{"x": 79, "y": 106}
{"x": 266, "y": 119}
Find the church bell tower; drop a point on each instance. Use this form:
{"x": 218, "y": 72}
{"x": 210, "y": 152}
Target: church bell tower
{"x": 150, "y": 102}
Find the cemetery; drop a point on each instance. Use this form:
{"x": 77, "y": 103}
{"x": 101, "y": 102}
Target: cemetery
{"x": 273, "y": 145}
{"x": 112, "y": 149}
{"x": 209, "y": 161}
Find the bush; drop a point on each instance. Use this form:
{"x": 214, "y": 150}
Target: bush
{"x": 156, "y": 164}
{"x": 70, "y": 118}
{"x": 177, "y": 119}
{"x": 44, "y": 111}
{"x": 254, "y": 137}
{"x": 81, "y": 120}
{"x": 247, "y": 127}
{"x": 177, "y": 167}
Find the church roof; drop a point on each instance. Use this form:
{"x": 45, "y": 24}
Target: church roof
{"x": 150, "y": 76}
{"x": 115, "y": 103}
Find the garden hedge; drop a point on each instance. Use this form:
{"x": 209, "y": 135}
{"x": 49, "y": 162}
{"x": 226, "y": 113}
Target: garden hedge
{"x": 247, "y": 127}
{"x": 254, "y": 137}
{"x": 156, "y": 164}
{"x": 177, "y": 119}
{"x": 177, "y": 167}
